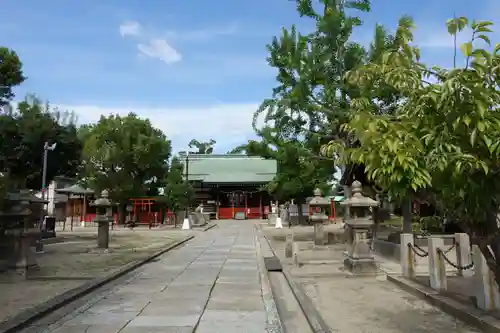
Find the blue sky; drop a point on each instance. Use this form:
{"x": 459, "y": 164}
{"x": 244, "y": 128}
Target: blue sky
{"x": 197, "y": 69}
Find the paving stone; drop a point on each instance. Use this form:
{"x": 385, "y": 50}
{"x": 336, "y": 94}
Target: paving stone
{"x": 103, "y": 318}
{"x": 116, "y": 307}
{"x": 164, "y": 329}
{"x": 232, "y": 321}
{"x": 171, "y": 294}
{"x": 177, "y": 307}
{"x": 164, "y": 321}
{"x": 236, "y": 302}
{"x": 88, "y": 329}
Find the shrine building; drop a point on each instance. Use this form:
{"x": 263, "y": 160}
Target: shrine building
{"x": 228, "y": 185}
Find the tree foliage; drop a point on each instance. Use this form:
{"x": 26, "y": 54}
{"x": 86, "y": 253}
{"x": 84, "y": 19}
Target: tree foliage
{"x": 299, "y": 172}
{"x": 203, "y": 147}
{"x": 125, "y": 155}
{"x": 444, "y": 139}
{"x": 23, "y": 132}
{"x": 11, "y": 74}
{"x": 178, "y": 192}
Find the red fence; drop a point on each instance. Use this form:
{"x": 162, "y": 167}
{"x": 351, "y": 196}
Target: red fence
{"x": 250, "y": 212}
{"x": 142, "y": 217}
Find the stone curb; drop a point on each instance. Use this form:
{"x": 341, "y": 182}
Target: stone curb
{"x": 27, "y": 317}
{"x": 314, "y": 318}
{"x": 466, "y": 313}
{"x": 274, "y": 324}
{"x": 209, "y": 227}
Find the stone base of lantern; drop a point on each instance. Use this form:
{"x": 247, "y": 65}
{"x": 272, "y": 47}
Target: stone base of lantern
{"x": 365, "y": 266}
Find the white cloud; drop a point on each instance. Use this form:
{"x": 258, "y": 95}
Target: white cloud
{"x": 160, "y": 49}
{"x": 130, "y": 28}
{"x": 228, "y": 124}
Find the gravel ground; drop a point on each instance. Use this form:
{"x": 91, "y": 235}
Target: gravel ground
{"x": 366, "y": 305}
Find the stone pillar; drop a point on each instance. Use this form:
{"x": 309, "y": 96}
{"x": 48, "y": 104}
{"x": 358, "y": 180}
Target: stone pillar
{"x": 464, "y": 257}
{"x": 295, "y": 253}
{"x": 289, "y": 245}
{"x": 487, "y": 295}
{"x": 407, "y": 256}
{"x": 437, "y": 267}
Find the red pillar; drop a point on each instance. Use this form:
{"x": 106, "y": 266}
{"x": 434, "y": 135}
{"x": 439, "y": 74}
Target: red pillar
{"x": 246, "y": 205}
{"x": 260, "y": 205}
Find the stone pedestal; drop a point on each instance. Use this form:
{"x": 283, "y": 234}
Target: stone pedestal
{"x": 23, "y": 259}
{"x": 319, "y": 233}
{"x": 102, "y": 233}
{"x": 360, "y": 259}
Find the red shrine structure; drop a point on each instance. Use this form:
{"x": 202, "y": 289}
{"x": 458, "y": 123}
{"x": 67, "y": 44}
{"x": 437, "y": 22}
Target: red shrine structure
{"x": 228, "y": 185}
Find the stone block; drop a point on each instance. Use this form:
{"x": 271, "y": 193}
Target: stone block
{"x": 437, "y": 267}
{"x": 487, "y": 295}
{"x": 361, "y": 266}
{"x": 464, "y": 256}
{"x": 407, "y": 258}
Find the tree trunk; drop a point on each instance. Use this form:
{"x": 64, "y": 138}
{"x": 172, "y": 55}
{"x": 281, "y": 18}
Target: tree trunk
{"x": 406, "y": 210}
{"x": 122, "y": 213}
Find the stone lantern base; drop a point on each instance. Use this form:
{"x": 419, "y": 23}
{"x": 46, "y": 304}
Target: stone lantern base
{"x": 360, "y": 259}
{"x": 361, "y": 266}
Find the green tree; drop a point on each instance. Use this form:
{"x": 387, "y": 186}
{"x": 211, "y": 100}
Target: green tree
{"x": 445, "y": 138}
{"x": 126, "y": 155}
{"x": 311, "y": 96}
{"x": 11, "y": 74}
{"x": 203, "y": 147}
{"x": 299, "y": 172}
{"x": 24, "y": 131}
{"x": 178, "y": 192}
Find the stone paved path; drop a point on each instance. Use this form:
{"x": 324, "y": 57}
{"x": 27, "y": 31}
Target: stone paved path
{"x": 210, "y": 285}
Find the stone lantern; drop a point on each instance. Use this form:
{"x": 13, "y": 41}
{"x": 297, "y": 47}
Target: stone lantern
{"x": 104, "y": 215}
{"x": 359, "y": 259}
{"x": 16, "y": 218}
{"x": 318, "y": 206}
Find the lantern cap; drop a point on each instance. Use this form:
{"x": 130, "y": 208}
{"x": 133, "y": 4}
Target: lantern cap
{"x": 103, "y": 201}
{"x": 358, "y": 199}
{"x": 318, "y": 199}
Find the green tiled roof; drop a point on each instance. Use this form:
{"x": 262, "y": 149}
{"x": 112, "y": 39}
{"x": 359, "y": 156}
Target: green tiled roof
{"x": 230, "y": 168}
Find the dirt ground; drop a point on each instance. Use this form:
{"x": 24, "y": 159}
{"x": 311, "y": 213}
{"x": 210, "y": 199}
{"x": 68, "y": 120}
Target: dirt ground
{"x": 74, "y": 260}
